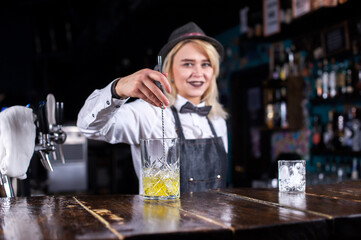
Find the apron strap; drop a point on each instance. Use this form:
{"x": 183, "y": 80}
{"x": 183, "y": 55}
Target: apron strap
{"x": 178, "y": 124}
{"x": 218, "y": 145}
{"x": 212, "y": 128}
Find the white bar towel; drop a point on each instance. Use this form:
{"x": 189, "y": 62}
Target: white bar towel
{"x": 17, "y": 140}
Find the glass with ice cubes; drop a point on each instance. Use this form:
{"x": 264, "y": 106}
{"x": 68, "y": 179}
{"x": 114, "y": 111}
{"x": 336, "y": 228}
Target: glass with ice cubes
{"x": 160, "y": 168}
{"x": 292, "y": 175}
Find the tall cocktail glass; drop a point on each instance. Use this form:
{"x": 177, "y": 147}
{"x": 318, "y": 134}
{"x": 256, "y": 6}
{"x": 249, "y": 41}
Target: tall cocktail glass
{"x": 160, "y": 168}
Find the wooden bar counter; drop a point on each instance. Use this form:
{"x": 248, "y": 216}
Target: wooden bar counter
{"x": 323, "y": 212}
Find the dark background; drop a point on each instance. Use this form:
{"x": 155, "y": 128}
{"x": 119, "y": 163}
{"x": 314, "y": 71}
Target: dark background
{"x": 69, "y": 48}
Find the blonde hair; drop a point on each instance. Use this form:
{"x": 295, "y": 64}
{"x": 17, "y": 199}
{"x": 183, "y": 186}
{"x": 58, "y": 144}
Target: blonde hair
{"x": 210, "y": 96}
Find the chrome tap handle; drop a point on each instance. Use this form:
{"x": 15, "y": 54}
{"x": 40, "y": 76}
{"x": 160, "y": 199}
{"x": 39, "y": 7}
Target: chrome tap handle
{"x": 61, "y": 153}
{"x": 50, "y": 116}
{"x": 50, "y": 110}
{"x": 44, "y": 159}
{"x": 59, "y": 113}
{"x": 60, "y": 137}
{"x": 53, "y": 153}
{"x": 60, "y": 134}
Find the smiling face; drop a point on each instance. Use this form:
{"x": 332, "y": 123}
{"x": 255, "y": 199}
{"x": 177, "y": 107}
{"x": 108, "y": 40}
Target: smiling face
{"x": 192, "y": 72}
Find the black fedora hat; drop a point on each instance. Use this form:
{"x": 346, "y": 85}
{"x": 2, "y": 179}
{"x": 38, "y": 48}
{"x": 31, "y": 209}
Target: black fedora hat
{"x": 189, "y": 31}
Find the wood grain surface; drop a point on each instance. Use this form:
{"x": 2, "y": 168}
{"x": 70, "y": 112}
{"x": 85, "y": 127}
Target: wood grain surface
{"x": 322, "y": 212}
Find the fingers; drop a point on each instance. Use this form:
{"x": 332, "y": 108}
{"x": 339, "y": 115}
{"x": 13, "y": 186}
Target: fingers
{"x": 149, "y": 100}
{"x": 153, "y": 94}
{"x": 162, "y": 78}
{"x": 141, "y": 85}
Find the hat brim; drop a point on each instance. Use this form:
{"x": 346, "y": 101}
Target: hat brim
{"x": 217, "y": 45}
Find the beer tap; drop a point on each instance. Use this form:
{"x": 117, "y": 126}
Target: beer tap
{"x": 50, "y": 110}
{"x": 50, "y": 135}
{"x": 44, "y": 145}
{"x": 55, "y": 118}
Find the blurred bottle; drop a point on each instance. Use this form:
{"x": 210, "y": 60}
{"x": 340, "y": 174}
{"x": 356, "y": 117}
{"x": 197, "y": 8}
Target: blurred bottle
{"x": 286, "y": 11}
{"x": 319, "y": 80}
{"x": 358, "y": 78}
{"x": 320, "y": 172}
{"x": 316, "y": 132}
{"x": 354, "y": 174}
{"x": 328, "y": 134}
{"x": 341, "y": 79}
{"x": 333, "y": 173}
{"x": 269, "y": 110}
{"x": 348, "y": 128}
{"x": 325, "y": 80}
{"x": 340, "y": 171}
{"x": 332, "y": 79}
{"x": 285, "y": 68}
{"x": 277, "y": 108}
{"x": 278, "y": 61}
{"x": 356, "y": 129}
{"x": 327, "y": 166}
{"x": 347, "y": 169}
{"x": 283, "y": 108}
{"x": 349, "y": 78}
{"x": 339, "y": 130}
{"x": 293, "y": 68}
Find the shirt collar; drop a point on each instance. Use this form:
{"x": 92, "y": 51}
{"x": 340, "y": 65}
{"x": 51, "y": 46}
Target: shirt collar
{"x": 180, "y": 101}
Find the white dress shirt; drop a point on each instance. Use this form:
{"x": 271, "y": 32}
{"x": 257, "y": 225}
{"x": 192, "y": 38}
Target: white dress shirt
{"x": 105, "y": 118}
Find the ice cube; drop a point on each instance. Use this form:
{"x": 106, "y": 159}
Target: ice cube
{"x": 284, "y": 172}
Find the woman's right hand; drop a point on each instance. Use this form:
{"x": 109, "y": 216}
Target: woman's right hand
{"x": 141, "y": 85}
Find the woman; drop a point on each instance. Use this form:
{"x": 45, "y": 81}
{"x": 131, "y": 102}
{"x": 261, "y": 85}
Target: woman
{"x": 191, "y": 63}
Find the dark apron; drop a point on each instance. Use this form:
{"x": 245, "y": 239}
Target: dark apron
{"x": 203, "y": 162}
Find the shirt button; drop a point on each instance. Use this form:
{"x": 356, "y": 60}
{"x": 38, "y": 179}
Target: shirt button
{"x": 191, "y": 179}
{"x": 93, "y": 115}
{"x": 218, "y": 176}
{"x": 108, "y": 103}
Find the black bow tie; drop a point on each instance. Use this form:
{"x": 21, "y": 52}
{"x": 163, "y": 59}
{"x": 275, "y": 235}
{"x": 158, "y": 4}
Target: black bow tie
{"x": 190, "y": 108}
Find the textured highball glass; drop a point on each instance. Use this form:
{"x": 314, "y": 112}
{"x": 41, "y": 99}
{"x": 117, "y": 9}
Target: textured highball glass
{"x": 160, "y": 168}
